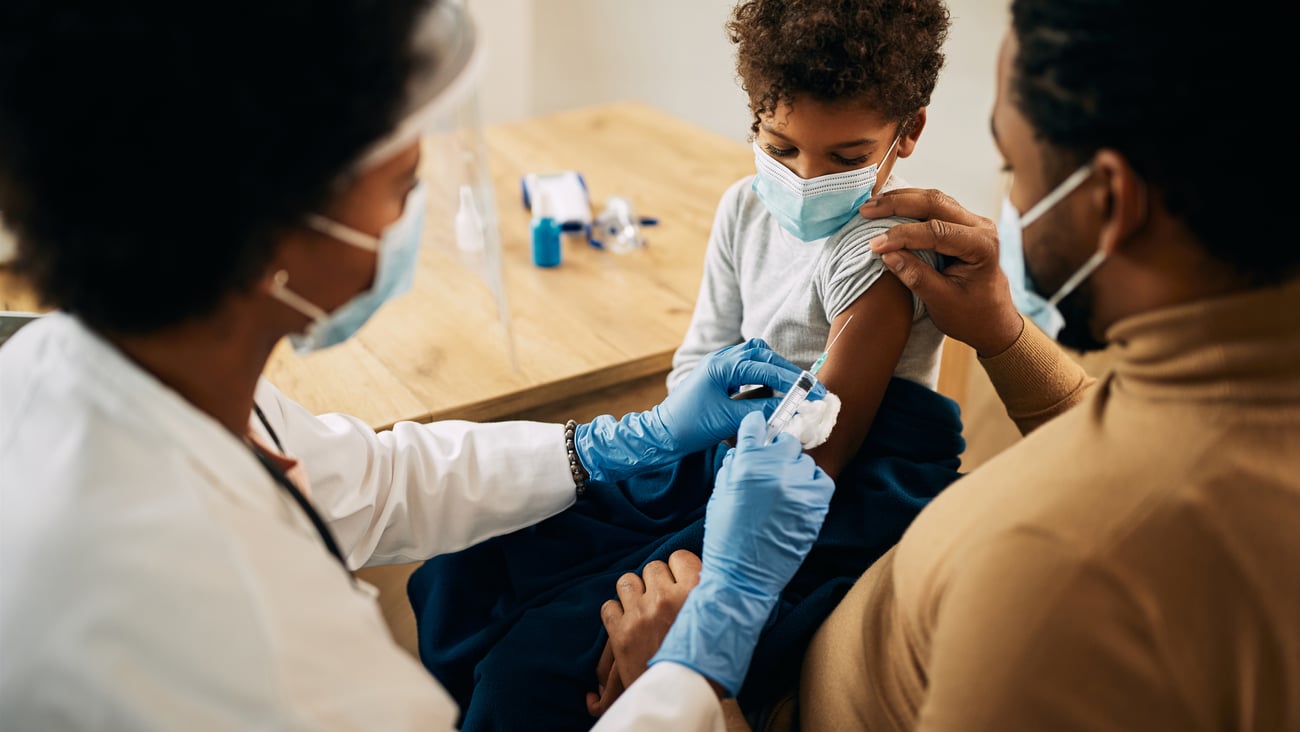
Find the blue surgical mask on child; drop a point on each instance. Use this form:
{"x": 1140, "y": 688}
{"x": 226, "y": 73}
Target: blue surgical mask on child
{"x": 1025, "y": 293}
{"x": 815, "y": 207}
{"x": 398, "y": 251}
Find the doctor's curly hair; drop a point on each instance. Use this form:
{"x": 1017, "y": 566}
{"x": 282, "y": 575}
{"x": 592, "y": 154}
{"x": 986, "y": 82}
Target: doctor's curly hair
{"x": 886, "y": 53}
{"x": 150, "y": 151}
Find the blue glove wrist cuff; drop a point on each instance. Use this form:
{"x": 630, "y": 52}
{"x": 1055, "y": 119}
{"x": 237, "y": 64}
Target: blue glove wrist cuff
{"x": 612, "y": 450}
{"x": 716, "y": 631}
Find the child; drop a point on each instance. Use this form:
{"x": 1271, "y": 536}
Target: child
{"x": 838, "y": 88}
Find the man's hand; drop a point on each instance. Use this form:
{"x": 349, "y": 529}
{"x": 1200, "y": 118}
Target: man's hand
{"x": 970, "y": 300}
{"x": 638, "y": 621}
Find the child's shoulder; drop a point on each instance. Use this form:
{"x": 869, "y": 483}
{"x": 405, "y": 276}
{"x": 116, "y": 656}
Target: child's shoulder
{"x": 740, "y": 192}
{"x": 854, "y": 238}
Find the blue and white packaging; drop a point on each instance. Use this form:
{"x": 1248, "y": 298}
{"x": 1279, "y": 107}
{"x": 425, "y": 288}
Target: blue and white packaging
{"x": 567, "y": 194}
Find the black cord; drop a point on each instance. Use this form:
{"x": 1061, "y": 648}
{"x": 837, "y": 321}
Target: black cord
{"x": 278, "y": 475}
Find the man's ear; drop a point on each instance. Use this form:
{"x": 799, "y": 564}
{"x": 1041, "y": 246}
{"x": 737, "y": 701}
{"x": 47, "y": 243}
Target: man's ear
{"x": 1122, "y": 204}
{"x": 907, "y": 143}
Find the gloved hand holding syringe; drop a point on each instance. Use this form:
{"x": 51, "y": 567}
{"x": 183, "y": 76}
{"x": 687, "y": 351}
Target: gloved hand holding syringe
{"x": 798, "y": 394}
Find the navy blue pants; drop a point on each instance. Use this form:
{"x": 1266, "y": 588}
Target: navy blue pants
{"x": 511, "y": 627}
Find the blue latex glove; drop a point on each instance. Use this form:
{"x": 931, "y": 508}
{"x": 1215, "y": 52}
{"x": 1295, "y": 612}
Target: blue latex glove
{"x": 766, "y": 510}
{"x": 698, "y": 414}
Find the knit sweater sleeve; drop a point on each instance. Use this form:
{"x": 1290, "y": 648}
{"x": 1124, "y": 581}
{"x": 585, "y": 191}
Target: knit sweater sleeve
{"x": 1035, "y": 379}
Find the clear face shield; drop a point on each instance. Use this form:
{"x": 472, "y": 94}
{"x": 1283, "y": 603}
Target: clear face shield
{"x": 8, "y": 246}
{"x": 461, "y": 233}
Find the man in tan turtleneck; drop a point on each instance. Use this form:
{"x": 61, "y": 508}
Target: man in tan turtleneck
{"x": 1134, "y": 562}
{"x": 1132, "y": 565}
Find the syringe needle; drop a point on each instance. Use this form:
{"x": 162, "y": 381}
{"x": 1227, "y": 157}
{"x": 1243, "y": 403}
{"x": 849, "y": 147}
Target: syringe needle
{"x": 822, "y": 359}
{"x": 837, "y": 335}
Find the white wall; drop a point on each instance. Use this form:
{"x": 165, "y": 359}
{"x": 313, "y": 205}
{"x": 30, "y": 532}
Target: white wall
{"x": 549, "y": 55}
{"x": 506, "y": 93}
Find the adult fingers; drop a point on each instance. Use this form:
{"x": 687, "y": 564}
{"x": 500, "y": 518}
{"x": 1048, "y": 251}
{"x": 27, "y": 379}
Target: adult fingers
{"x": 745, "y": 345}
{"x": 750, "y": 434}
{"x": 599, "y": 701}
{"x": 919, "y": 203}
{"x": 789, "y": 445}
{"x": 656, "y": 575}
{"x": 780, "y": 376}
{"x": 630, "y": 588}
{"x": 758, "y": 349}
{"x": 944, "y": 225}
{"x": 969, "y": 244}
{"x": 925, "y": 281}
{"x": 611, "y": 615}
{"x": 606, "y": 663}
{"x": 603, "y": 668}
{"x": 685, "y": 566}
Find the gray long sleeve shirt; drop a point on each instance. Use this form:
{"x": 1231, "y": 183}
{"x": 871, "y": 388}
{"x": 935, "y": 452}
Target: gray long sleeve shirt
{"x": 761, "y": 282}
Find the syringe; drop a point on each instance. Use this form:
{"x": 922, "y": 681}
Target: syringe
{"x": 790, "y": 404}
{"x": 798, "y": 394}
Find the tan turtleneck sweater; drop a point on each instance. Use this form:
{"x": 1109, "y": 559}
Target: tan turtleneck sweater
{"x": 1132, "y": 564}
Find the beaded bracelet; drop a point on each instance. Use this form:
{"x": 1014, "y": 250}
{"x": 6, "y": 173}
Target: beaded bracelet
{"x": 575, "y": 465}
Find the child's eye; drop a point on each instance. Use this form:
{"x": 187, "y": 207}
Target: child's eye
{"x": 860, "y": 160}
{"x": 777, "y": 152}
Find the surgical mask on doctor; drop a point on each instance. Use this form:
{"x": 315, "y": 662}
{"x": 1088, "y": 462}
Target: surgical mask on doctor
{"x": 398, "y": 249}
{"x": 1025, "y": 292}
{"x": 815, "y": 207}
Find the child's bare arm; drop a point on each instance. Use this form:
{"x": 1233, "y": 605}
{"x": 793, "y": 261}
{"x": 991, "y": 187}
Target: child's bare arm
{"x": 859, "y": 368}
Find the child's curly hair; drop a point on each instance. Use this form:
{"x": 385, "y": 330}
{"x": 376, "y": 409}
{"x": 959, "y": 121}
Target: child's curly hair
{"x": 886, "y": 53}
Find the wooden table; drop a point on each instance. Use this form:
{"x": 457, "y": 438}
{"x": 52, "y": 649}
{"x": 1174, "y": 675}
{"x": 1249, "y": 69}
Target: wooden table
{"x": 598, "y": 324}
{"x": 594, "y": 335}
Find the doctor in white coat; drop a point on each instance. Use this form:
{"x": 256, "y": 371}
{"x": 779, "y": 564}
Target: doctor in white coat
{"x": 176, "y": 536}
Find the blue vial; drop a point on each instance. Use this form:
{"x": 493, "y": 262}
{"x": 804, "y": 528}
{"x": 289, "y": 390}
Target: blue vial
{"x": 546, "y": 232}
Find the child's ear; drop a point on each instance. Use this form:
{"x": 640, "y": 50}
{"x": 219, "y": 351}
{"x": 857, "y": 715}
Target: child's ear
{"x": 908, "y": 142}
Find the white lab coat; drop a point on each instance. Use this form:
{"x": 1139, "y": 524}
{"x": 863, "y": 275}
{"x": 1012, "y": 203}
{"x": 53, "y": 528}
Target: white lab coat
{"x": 154, "y": 577}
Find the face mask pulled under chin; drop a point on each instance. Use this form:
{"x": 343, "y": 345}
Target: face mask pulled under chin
{"x": 397, "y": 254}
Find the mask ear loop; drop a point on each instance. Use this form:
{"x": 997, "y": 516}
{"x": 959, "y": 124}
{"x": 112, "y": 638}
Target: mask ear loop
{"x": 1084, "y": 272}
{"x": 1066, "y": 187}
{"x": 1098, "y": 256}
{"x": 881, "y": 165}
{"x": 280, "y": 291}
{"x": 885, "y": 158}
{"x": 345, "y": 234}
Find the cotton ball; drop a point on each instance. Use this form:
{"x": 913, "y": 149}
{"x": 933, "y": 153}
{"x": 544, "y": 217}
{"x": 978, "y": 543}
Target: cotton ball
{"x": 813, "y": 422}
